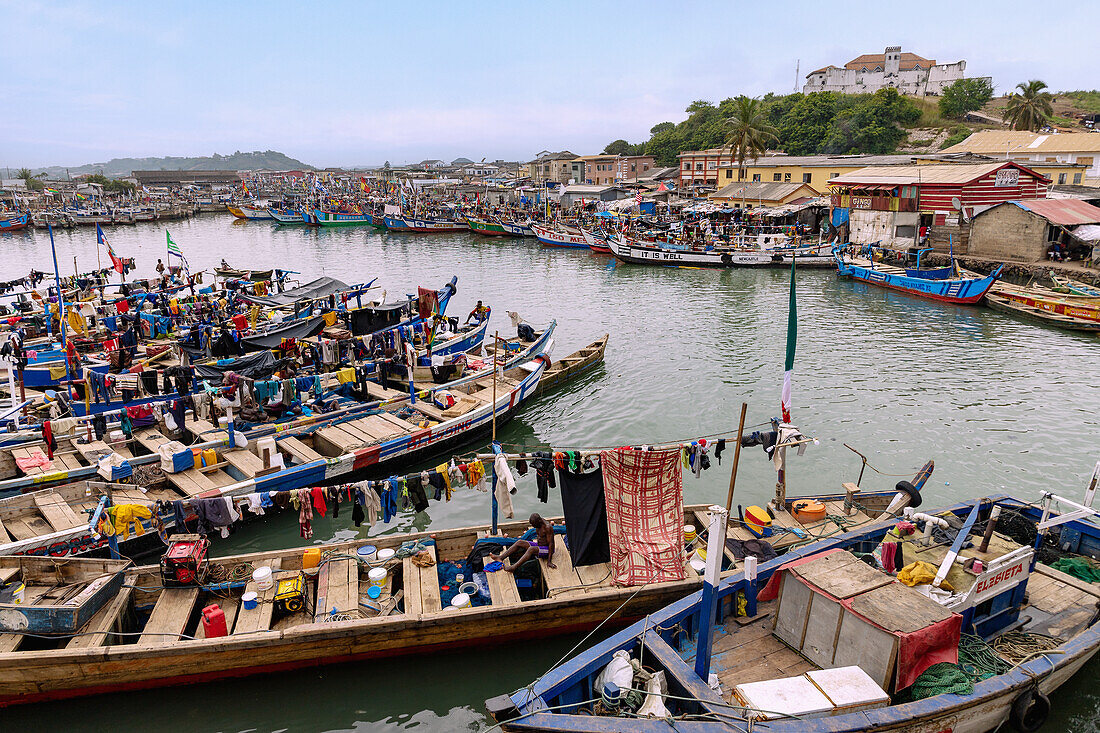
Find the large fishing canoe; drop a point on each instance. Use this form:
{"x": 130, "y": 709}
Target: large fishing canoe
{"x": 795, "y": 642}
{"x": 287, "y": 216}
{"x": 559, "y": 237}
{"x": 642, "y": 252}
{"x": 1080, "y": 309}
{"x": 436, "y": 226}
{"x": 942, "y": 284}
{"x": 338, "y": 219}
{"x": 253, "y": 213}
{"x": 13, "y": 223}
{"x": 487, "y": 227}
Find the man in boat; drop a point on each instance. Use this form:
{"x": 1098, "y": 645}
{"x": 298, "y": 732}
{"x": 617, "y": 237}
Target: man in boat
{"x": 480, "y": 312}
{"x": 543, "y": 547}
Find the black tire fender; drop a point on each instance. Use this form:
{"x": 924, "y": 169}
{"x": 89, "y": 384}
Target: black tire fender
{"x": 914, "y": 493}
{"x": 1029, "y": 711}
{"x": 727, "y": 259}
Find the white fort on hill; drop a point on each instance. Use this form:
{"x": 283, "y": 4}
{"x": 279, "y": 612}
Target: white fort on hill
{"x": 907, "y": 72}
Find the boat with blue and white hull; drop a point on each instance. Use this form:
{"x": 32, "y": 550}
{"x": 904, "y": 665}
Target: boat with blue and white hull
{"x": 944, "y": 284}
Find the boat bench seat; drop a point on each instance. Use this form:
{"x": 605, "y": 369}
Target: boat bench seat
{"x": 502, "y": 588}
{"x": 105, "y": 620}
{"x": 295, "y": 448}
{"x": 421, "y": 586}
{"x": 245, "y": 461}
{"x": 337, "y": 587}
{"x": 57, "y": 512}
{"x": 170, "y": 616}
{"x": 259, "y": 618}
{"x": 562, "y": 581}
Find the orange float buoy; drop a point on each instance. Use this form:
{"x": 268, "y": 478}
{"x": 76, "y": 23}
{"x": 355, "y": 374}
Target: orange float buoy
{"x": 808, "y": 511}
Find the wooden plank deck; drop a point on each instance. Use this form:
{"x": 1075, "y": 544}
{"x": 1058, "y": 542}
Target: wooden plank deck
{"x": 258, "y": 618}
{"x": 170, "y": 616}
{"x": 230, "y": 607}
{"x": 334, "y": 591}
{"x": 429, "y": 585}
{"x": 562, "y": 580}
{"x": 57, "y": 512}
{"x": 297, "y": 449}
{"x": 410, "y": 573}
{"x": 502, "y": 588}
{"x": 245, "y": 461}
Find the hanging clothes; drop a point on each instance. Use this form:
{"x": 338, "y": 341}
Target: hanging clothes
{"x": 504, "y": 485}
{"x": 585, "y": 511}
{"x": 305, "y": 513}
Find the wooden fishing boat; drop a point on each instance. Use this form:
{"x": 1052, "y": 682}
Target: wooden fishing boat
{"x": 1036, "y": 314}
{"x": 252, "y": 275}
{"x": 575, "y": 364}
{"x": 13, "y": 222}
{"x": 436, "y": 226}
{"x": 940, "y": 284}
{"x": 338, "y": 219}
{"x": 645, "y": 252}
{"x": 516, "y": 228}
{"x": 818, "y": 640}
{"x": 488, "y": 228}
{"x": 559, "y": 237}
{"x": 1073, "y": 287}
{"x": 249, "y": 212}
{"x": 41, "y": 597}
{"x": 597, "y": 241}
{"x": 1063, "y": 306}
{"x": 396, "y": 224}
{"x": 286, "y": 216}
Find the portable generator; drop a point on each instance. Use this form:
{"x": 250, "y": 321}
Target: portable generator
{"x": 184, "y": 560}
{"x": 290, "y": 595}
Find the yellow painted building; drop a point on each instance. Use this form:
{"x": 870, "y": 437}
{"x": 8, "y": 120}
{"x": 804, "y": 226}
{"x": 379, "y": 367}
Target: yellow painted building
{"x": 817, "y": 170}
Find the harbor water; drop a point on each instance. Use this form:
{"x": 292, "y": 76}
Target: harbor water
{"x": 1002, "y": 406}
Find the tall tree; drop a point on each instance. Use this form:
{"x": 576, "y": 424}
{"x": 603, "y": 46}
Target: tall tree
{"x": 965, "y": 95}
{"x": 1030, "y": 108}
{"x": 748, "y": 132}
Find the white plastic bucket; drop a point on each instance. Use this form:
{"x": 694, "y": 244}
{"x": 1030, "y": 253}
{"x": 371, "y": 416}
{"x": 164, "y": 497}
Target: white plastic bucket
{"x": 386, "y": 554}
{"x": 461, "y": 600}
{"x": 262, "y": 577}
{"x": 248, "y": 600}
{"x": 367, "y": 553}
{"x": 377, "y": 576}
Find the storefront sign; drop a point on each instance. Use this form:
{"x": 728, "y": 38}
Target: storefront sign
{"x": 1007, "y": 178}
{"x": 861, "y": 202}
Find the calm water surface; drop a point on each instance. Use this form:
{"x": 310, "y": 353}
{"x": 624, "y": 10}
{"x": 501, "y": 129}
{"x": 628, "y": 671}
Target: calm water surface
{"x": 999, "y": 404}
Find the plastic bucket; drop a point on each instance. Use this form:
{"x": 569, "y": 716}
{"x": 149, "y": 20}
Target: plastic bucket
{"x": 262, "y": 577}
{"x": 367, "y": 553}
{"x": 386, "y": 554}
{"x": 377, "y": 576}
{"x": 374, "y": 592}
{"x": 248, "y": 600}
{"x": 689, "y": 533}
{"x": 461, "y": 600}
{"x": 468, "y": 588}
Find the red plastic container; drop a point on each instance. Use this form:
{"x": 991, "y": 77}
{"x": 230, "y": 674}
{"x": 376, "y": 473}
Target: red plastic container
{"x": 213, "y": 622}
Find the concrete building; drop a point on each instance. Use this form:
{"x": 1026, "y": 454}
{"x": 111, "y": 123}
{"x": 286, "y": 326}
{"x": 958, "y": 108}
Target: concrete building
{"x": 553, "y": 167}
{"x": 607, "y": 170}
{"x": 1025, "y": 230}
{"x": 750, "y": 195}
{"x": 906, "y": 72}
{"x": 890, "y": 204}
{"x": 575, "y": 193}
{"x": 1034, "y": 149}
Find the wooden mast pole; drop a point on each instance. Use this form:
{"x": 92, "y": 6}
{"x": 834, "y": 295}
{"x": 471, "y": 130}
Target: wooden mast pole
{"x": 736, "y": 457}
{"x": 496, "y": 349}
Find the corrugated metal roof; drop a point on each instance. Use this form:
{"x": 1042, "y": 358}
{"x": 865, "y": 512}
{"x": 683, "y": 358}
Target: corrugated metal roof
{"x": 1064, "y": 212}
{"x": 904, "y": 175}
{"x": 1021, "y": 142}
{"x": 765, "y": 191}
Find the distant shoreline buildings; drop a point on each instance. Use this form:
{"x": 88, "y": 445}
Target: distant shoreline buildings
{"x": 907, "y": 72}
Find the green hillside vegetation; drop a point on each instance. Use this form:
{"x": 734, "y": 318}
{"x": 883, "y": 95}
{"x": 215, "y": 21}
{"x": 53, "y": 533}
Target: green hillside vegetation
{"x": 267, "y": 159}
{"x": 806, "y": 124}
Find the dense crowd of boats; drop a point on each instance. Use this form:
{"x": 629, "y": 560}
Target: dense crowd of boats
{"x": 149, "y": 416}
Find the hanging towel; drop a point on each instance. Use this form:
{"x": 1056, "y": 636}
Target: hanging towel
{"x": 504, "y": 485}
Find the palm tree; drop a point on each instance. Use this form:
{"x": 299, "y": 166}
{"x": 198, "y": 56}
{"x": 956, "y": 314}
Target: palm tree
{"x": 749, "y": 132}
{"x": 1031, "y": 108}
{"x": 25, "y": 174}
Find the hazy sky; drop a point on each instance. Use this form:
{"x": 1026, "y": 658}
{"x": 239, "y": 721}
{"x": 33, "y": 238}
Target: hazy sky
{"x": 344, "y": 83}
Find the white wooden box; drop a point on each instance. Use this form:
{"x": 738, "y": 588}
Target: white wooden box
{"x": 849, "y": 689}
{"x": 788, "y": 696}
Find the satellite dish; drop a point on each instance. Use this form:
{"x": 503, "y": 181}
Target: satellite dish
{"x": 956, "y": 203}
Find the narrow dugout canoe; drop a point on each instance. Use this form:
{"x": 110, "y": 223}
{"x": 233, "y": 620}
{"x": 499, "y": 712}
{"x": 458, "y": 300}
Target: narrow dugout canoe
{"x": 570, "y": 366}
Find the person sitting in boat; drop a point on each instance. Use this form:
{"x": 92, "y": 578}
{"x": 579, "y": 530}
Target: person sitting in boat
{"x": 479, "y": 313}
{"x": 543, "y": 547}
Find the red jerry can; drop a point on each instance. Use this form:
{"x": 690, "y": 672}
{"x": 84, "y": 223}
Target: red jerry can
{"x": 213, "y": 622}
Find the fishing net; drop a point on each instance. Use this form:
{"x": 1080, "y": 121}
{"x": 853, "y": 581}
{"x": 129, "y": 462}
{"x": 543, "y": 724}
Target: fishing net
{"x": 978, "y": 659}
{"x": 1079, "y": 568}
{"x": 939, "y": 679}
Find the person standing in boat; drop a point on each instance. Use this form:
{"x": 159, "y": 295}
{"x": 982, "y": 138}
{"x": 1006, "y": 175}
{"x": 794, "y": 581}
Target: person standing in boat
{"x": 543, "y": 547}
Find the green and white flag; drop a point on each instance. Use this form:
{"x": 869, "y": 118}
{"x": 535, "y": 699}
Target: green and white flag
{"x": 788, "y": 365}
{"x": 174, "y": 249}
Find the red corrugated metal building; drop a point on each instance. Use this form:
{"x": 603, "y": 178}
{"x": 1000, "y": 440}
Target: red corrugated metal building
{"x": 893, "y": 204}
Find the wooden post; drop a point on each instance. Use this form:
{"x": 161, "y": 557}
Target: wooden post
{"x": 736, "y": 457}
{"x": 708, "y": 605}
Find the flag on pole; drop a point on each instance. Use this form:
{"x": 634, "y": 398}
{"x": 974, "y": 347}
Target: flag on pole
{"x": 788, "y": 365}
{"x": 115, "y": 261}
{"x": 174, "y": 250}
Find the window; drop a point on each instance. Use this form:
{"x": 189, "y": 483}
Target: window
{"x": 633, "y": 167}
{"x": 786, "y": 178}
{"x": 833, "y": 175}
{"x": 806, "y": 177}
{"x": 1076, "y": 177}
{"x": 729, "y": 173}
{"x": 712, "y": 164}
{"x": 698, "y": 166}
{"x": 1061, "y": 178}
{"x": 645, "y": 167}
{"x": 756, "y": 176}
{"x": 777, "y": 176}
{"x": 687, "y": 165}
